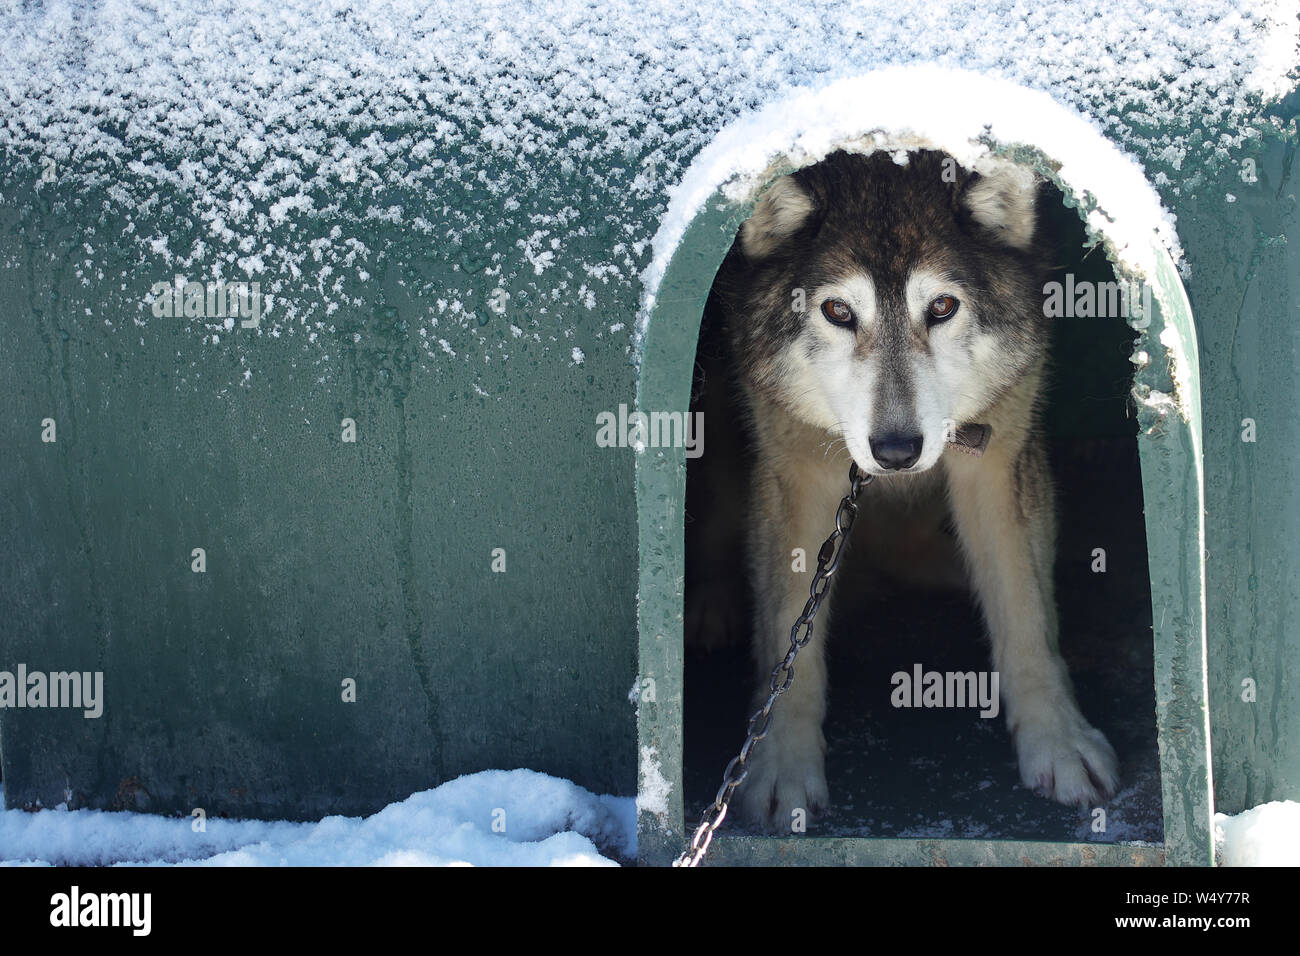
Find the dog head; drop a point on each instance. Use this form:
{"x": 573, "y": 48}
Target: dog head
{"x": 889, "y": 301}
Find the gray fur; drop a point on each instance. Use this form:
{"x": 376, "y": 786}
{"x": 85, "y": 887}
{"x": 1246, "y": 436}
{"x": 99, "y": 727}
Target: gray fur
{"x": 887, "y": 239}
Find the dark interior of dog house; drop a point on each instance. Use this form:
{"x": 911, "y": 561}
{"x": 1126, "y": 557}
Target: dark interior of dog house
{"x": 945, "y": 772}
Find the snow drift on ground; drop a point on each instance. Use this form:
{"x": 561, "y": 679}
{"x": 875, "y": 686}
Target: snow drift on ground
{"x": 1268, "y": 835}
{"x": 544, "y": 821}
{"x": 493, "y": 818}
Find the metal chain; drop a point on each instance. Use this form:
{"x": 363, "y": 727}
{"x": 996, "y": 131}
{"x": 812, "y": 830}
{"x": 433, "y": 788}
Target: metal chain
{"x": 828, "y": 560}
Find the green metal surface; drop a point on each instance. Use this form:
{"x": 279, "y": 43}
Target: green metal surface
{"x": 816, "y": 851}
{"x": 1173, "y": 490}
{"x": 665, "y": 383}
{"x": 325, "y": 560}
{"x": 1244, "y": 259}
{"x": 1172, "y": 485}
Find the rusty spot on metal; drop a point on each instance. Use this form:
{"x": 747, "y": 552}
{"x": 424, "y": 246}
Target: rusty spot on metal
{"x": 132, "y": 794}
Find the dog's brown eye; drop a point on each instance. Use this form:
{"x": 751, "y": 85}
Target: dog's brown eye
{"x": 837, "y": 312}
{"x": 942, "y": 309}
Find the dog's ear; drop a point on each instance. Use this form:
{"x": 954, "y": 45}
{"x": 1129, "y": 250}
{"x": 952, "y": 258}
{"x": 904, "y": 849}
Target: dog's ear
{"x": 781, "y": 212}
{"x": 1003, "y": 197}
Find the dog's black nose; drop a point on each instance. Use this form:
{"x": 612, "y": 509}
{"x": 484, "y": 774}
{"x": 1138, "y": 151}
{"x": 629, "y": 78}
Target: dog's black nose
{"x": 896, "y": 452}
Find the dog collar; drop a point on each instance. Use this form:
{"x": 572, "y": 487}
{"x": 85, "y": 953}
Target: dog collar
{"x": 972, "y": 439}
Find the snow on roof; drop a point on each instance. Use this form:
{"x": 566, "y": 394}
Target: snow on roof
{"x": 527, "y": 145}
{"x": 913, "y": 107}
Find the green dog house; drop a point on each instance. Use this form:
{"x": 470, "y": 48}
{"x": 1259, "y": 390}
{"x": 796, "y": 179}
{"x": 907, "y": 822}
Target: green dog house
{"x": 315, "y": 317}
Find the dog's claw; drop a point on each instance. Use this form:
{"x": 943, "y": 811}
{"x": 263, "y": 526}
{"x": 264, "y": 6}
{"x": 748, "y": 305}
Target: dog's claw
{"x": 1063, "y": 757}
{"x": 786, "y": 775}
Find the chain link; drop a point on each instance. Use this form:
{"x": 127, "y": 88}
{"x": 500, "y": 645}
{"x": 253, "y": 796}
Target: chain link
{"x": 828, "y": 560}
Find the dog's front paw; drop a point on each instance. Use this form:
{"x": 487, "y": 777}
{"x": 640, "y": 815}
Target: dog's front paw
{"x": 1064, "y": 757}
{"x": 787, "y": 781}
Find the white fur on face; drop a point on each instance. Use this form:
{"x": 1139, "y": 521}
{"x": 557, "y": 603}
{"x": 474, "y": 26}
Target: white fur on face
{"x": 969, "y": 364}
{"x": 833, "y": 387}
{"x": 830, "y": 384}
{"x": 942, "y": 379}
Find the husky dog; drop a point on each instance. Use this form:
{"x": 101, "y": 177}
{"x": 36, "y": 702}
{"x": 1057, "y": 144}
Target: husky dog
{"x": 874, "y": 305}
